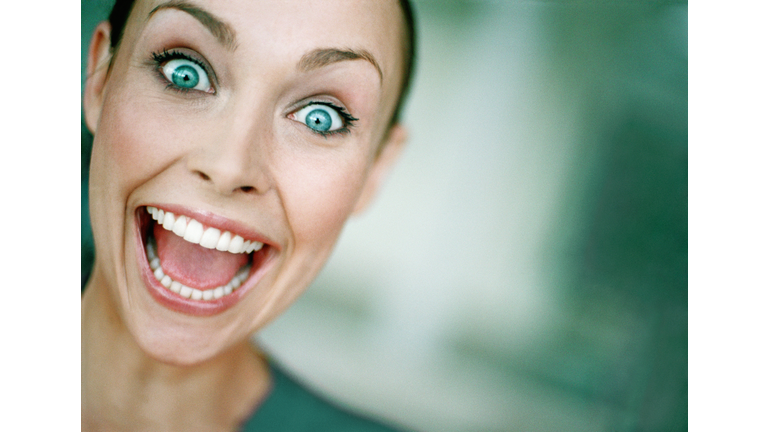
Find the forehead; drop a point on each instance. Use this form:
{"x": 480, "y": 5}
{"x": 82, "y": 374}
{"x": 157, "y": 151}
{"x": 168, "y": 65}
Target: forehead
{"x": 290, "y": 29}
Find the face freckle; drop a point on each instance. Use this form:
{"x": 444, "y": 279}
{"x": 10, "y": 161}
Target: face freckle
{"x": 200, "y": 116}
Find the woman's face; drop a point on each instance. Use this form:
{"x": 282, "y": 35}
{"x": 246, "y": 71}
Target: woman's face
{"x": 261, "y": 121}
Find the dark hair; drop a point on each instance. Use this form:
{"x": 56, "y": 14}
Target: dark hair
{"x": 122, "y": 9}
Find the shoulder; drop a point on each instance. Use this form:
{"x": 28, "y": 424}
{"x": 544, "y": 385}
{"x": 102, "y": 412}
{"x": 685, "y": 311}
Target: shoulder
{"x": 290, "y": 407}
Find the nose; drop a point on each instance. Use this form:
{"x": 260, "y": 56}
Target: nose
{"x": 233, "y": 158}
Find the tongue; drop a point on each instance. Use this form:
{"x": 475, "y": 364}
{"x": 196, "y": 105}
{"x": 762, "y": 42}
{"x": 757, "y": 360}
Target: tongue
{"x": 194, "y": 265}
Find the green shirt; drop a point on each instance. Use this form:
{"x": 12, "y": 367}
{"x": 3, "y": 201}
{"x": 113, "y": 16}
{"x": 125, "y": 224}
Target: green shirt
{"x": 289, "y": 407}
{"x": 292, "y": 408}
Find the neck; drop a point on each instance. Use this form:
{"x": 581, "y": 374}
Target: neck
{"x": 124, "y": 389}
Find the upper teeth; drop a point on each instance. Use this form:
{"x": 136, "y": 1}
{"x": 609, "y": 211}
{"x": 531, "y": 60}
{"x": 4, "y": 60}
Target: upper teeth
{"x": 194, "y": 232}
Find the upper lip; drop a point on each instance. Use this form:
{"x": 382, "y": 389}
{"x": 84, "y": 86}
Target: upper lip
{"x": 222, "y": 223}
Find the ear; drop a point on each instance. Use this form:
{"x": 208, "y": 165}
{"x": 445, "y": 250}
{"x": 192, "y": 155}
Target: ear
{"x": 99, "y": 56}
{"x": 388, "y": 154}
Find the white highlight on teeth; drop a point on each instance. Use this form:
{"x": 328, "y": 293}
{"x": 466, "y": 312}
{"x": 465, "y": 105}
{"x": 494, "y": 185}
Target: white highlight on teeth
{"x": 210, "y": 238}
{"x": 254, "y": 246}
{"x": 218, "y": 292}
{"x": 223, "y": 243}
{"x": 236, "y": 245}
{"x": 194, "y": 232}
{"x": 175, "y": 287}
{"x": 180, "y": 226}
{"x": 187, "y": 292}
{"x": 168, "y": 221}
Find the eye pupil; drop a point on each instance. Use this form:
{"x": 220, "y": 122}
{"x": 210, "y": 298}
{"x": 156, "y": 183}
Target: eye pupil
{"x": 185, "y": 76}
{"x": 319, "y": 120}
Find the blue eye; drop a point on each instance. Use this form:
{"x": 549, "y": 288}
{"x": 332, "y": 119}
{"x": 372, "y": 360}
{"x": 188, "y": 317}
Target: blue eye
{"x": 186, "y": 74}
{"x": 321, "y": 118}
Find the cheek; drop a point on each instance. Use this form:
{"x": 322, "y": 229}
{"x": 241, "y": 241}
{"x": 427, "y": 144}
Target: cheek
{"x": 134, "y": 142}
{"x": 320, "y": 196}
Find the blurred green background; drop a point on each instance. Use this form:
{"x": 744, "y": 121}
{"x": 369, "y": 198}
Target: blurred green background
{"x": 525, "y": 267}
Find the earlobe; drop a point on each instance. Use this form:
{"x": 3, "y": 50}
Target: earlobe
{"x": 99, "y": 56}
{"x": 389, "y": 154}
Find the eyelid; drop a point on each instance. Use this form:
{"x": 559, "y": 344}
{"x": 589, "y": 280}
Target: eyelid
{"x": 159, "y": 59}
{"x": 346, "y": 118}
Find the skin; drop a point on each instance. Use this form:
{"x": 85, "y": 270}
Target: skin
{"x": 237, "y": 152}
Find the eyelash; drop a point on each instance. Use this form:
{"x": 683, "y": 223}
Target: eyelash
{"x": 345, "y": 116}
{"x": 163, "y": 57}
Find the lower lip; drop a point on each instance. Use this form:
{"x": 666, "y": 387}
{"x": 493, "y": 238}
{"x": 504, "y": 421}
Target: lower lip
{"x": 177, "y": 303}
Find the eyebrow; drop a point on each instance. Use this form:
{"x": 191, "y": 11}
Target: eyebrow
{"x": 222, "y": 31}
{"x": 322, "y": 57}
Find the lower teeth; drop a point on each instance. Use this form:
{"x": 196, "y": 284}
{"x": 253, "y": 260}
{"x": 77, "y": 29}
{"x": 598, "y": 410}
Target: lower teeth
{"x": 192, "y": 293}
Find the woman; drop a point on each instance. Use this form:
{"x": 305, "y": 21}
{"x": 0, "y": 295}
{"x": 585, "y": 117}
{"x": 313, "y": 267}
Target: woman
{"x": 232, "y": 140}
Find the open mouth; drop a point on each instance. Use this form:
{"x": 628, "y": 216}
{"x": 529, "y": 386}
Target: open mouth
{"x": 197, "y": 268}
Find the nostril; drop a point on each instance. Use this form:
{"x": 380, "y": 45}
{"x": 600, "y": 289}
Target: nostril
{"x": 207, "y": 178}
{"x": 203, "y": 175}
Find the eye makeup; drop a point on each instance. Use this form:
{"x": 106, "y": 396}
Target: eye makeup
{"x": 183, "y": 72}
{"x": 324, "y": 118}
